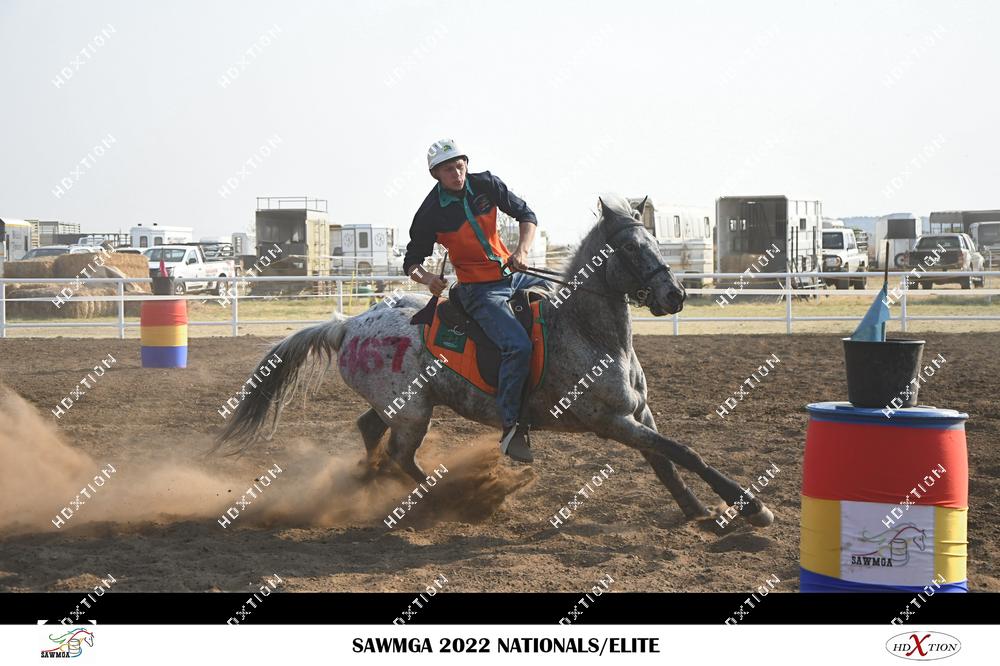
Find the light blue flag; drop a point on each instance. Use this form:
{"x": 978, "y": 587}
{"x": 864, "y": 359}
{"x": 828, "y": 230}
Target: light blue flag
{"x": 872, "y": 326}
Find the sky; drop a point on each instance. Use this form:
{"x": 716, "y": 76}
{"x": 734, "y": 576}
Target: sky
{"x": 182, "y": 113}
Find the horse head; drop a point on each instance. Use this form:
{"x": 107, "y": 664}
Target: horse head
{"x": 636, "y": 267}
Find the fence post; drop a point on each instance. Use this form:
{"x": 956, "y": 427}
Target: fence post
{"x": 3, "y": 309}
{"x": 121, "y": 308}
{"x": 235, "y": 289}
{"x": 902, "y": 303}
{"x": 340, "y": 295}
{"x": 788, "y": 303}
{"x": 677, "y": 323}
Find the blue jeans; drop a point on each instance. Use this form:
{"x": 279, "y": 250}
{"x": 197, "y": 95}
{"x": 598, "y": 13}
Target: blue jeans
{"x": 486, "y": 302}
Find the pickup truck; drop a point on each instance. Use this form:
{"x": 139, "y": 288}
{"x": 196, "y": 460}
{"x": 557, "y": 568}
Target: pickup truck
{"x": 841, "y": 254}
{"x": 946, "y": 252}
{"x": 188, "y": 261}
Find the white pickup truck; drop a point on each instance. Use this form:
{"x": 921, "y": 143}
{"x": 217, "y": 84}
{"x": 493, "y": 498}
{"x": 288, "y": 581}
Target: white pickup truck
{"x": 188, "y": 261}
{"x": 841, "y": 254}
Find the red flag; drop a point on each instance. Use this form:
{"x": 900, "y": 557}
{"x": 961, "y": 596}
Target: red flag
{"x": 163, "y": 268}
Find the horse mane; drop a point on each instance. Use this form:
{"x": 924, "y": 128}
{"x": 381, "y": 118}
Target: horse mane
{"x": 593, "y": 239}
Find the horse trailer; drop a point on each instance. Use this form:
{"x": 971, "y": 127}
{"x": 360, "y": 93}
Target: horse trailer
{"x": 365, "y": 249}
{"x": 749, "y": 226}
{"x": 902, "y": 230}
{"x": 684, "y": 235}
{"x": 157, "y": 234}
{"x": 15, "y": 239}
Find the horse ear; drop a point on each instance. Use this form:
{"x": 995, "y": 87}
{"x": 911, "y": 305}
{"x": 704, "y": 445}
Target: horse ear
{"x": 600, "y": 205}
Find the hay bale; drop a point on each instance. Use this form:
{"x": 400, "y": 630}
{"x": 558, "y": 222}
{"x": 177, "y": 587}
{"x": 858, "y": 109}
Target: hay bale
{"x": 70, "y": 265}
{"x": 68, "y": 310}
{"x": 29, "y": 268}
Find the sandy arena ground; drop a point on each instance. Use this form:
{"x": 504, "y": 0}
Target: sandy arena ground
{"x": 153, "y": 525}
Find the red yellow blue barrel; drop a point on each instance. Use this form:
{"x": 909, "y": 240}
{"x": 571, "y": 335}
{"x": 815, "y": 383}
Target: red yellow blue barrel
{"x": 163, "y": 333}
{"x": 885, "y": 500}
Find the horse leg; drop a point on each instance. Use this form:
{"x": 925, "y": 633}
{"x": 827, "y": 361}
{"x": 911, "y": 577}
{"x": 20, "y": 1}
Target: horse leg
{"x": 667, "y": 473}
{"x": 372, "y": 428}
{"x": 628, "y": 431}
{"x": 404, "y": 441}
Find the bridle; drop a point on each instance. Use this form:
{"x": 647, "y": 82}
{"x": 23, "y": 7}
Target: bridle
{"x": 641, "y": 293}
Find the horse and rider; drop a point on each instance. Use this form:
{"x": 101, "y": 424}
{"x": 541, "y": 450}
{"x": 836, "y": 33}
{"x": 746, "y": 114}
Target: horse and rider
{"x": 593, "y": 323}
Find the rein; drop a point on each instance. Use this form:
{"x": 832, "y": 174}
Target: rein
{"x": 641, "y": 293}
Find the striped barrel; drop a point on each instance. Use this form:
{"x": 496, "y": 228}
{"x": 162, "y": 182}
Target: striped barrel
{"x": 163, "y": 330}
{"x": 885, "y": 501}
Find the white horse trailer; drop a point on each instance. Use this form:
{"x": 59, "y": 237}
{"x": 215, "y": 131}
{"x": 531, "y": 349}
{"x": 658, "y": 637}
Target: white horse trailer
{"x": 903, "y": 230}
{"x": 15, "y": 239}
{"x": 157, "y": 234}
{"x": 684, "y": 235}
{"x": 365, "y": 249}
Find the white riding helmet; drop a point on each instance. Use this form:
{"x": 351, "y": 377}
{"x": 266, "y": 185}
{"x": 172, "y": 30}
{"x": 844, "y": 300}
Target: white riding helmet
{"x": 442, "y": 151}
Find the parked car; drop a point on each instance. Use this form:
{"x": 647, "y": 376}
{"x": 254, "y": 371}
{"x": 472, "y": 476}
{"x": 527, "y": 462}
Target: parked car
{"x": 955, "y": 252}
{"x": 841, "y": 254}
{"x": 188, "y": 261}
{"x": 56, "y": 250}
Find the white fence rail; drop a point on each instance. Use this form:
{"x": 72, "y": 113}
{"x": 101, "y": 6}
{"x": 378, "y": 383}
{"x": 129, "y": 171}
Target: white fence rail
{"x": 234, "y": 299}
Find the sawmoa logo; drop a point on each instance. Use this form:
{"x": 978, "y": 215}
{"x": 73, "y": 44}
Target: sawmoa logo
{"x": 923, "y": 645}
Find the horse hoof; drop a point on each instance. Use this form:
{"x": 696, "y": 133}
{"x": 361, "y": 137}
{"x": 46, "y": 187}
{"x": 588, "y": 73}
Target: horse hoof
{"x": 762, "y": 518}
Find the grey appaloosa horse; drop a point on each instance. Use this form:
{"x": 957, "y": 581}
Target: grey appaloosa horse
{"x": 382, "y": 358}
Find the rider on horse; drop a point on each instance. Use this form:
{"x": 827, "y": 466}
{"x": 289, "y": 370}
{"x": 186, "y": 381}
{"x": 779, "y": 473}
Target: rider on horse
{"x": 460, "y": 213}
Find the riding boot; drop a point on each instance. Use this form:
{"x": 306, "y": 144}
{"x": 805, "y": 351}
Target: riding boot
{"x": 515, "y": 444}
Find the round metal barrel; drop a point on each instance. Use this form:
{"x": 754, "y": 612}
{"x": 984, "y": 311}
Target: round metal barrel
{"x": 163, "y": 331}
{"x": 884, "y": 500}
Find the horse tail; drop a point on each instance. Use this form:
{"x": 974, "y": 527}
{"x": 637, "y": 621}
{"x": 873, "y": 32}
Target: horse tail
{"x": 277, "y": 389}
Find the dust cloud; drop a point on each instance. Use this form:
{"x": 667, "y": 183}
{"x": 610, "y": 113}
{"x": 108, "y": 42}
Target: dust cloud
{"x": 44, "y": 475}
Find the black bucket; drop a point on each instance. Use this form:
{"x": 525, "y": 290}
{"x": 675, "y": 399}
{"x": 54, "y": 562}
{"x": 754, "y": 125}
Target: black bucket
{"x": 163, "y": 286}
{"x": 878, "y": 372}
